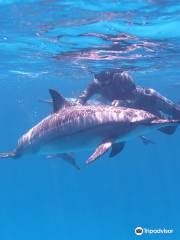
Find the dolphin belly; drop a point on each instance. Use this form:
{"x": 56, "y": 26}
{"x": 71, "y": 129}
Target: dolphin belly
{"x": 86, "y": 139}
{"x": 70, "y": 143}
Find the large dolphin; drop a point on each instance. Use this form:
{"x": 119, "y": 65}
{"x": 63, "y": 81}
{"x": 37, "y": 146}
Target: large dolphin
{"x": 72, "y": 128}
{"x": 73, "y": 101}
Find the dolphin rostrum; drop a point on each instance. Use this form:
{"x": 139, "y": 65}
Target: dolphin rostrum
{"x": 72, "y": 128}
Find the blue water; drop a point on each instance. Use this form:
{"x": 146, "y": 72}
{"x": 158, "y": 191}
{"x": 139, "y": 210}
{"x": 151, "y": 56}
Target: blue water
{"x": 60, "y": 44}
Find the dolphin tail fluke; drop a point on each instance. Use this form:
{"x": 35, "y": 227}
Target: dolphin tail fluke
{"x": 168, "y": 130}
{"x": 101, "y": 149}
{"x": 165, "y": 122}
{"x": 167, "y": 126}
{"x": 104, "y": 147}
{"x": 117, "y": 148}
{"x": 8, "y": 155}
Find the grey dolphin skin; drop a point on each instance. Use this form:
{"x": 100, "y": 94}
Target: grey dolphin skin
{"x": 74, "y": 128}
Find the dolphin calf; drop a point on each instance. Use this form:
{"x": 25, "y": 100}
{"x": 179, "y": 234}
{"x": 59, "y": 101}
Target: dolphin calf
{"x": 73, "y": 128}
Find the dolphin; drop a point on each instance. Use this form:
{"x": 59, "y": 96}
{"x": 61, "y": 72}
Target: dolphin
{"x": 101, "y": 101}
{"x": 73, "y": 128}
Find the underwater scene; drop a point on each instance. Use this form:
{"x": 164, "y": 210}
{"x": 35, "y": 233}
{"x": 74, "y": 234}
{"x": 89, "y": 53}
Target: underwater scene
{"x": 90, "y": 108}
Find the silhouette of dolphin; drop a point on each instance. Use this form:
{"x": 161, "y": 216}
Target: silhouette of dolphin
{"x": 72, "y": 128}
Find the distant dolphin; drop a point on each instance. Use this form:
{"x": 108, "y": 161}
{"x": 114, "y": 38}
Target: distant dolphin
{"x": 73, "y": 128}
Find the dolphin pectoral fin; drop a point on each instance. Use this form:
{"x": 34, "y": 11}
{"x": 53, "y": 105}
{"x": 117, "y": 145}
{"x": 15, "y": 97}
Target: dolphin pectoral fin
{"x": 168, "y": 130}
{"x": 8, "y": 155}
{"x": 100, "y": 150}
{"x": 68, "y": 157}
{"x": 146, "y": 140}
{"x": 116, "y": 149}
{"x": 58, "y": 100}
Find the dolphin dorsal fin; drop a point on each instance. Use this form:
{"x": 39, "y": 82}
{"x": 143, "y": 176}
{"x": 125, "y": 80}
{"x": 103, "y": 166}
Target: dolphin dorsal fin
{"x": 58, "y": 100}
